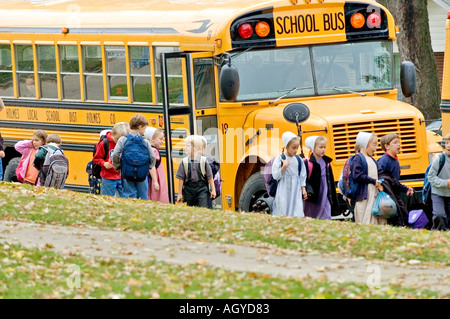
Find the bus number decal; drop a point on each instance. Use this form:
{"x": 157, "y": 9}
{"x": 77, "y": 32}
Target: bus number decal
{"x": 224, "y": 128}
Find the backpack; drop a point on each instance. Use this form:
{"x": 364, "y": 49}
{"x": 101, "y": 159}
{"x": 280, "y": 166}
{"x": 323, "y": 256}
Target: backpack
{"x": 203, "y": 161}
{"x": 270, "y": 182}
{"x": 96, "y": 169}
{"x": 135, "y": 159}
{"x": 58, "y": 168}
{"x": 426, "y": 190}
{"x": 346, "y": 184}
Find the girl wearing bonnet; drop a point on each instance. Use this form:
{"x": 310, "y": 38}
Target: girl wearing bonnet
{"x": 291, "y": 186}
{"x": 320, "y": 177}
{"x": 365, "y": 172}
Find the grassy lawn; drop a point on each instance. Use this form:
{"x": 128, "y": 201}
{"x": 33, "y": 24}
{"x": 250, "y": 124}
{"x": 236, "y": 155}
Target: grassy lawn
{"x": 42, "y": 273}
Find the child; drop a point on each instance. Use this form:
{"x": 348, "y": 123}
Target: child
{"x": 53, "y": 142}
{"x": 192, "y": 184}
{"x": 2, "y": 155}
{"x": 215, "y": 166}
{"x": 134, "y": 188}
{"x": 291, "y": 186}
{"x": 111, "y": 181}
{"x": 157, "y": 185}
{"x": 26, "y": 172}
{"x": 440, "y": 189}
{"x": 390, "y": 168}
{"x": 365, "y": 172}
{"x": 321, "y": 179}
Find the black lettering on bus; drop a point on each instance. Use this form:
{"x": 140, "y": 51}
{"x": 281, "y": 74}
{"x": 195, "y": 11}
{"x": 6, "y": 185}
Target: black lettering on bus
{"x": 333, "y": 21}
{"x": 73, "y": 117}
{"x": 52, "y": 116}
{"x": 112, "y": 118}
{"x": 93, "y": 118}
{"x": 301, "y": 23}
{"x": 280, "y": 29}
{"x": 341, "y": 24}
{"x": 12, "y": 114}
{"x": 294, "y": 24}
{"x": 32, "y": 115}
{"x": 284, "y": 24}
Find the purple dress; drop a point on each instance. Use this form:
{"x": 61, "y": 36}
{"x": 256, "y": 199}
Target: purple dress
{"x": 321, "y": 209}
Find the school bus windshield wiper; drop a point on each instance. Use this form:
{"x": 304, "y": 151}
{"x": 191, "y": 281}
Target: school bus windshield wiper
{"x": 289, "y": 92}
{"x": 348, "y": 91}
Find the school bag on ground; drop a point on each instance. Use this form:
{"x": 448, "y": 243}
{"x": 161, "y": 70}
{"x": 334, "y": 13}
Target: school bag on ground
{"x": 58, "y": 168}
{"x": 96, "y": 169}
{"x": 135, "y": 159}
{"x": 346, "y": 184}
{"x": 426, "y": 190}
{"x": 270, "y": 182}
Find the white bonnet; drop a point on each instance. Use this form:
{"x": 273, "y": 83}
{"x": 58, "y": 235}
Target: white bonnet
{"x": 310, "y": 142}
{"x": 103, "y": 133}
{"x": 363, "y": 139}
{"x": 149, "y": 131}
{"x": 287, "y": 137}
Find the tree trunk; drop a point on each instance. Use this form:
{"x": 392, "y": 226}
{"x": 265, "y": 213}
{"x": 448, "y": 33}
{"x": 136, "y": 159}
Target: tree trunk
{"x": 414, "y": 44}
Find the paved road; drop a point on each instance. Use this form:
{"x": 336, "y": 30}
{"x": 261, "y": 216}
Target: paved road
{"x": 132, "y": 245}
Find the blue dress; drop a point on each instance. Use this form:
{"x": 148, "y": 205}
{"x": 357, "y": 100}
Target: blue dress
{"x": 288, "y": 200}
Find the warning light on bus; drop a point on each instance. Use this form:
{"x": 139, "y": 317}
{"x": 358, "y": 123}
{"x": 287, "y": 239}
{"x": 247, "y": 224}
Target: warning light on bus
{"x": 262, "y": 29}
{"x": 374, "y": 20}
{"x": 245, "y": 30}
{"x": 357, "y": 20}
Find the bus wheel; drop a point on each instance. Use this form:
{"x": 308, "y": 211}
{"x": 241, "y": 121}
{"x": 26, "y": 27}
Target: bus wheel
{"x": 254, "y": 189}
{"x": 10, "y": 170}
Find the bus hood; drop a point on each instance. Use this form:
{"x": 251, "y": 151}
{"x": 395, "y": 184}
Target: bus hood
{"x": 340, "y": 120}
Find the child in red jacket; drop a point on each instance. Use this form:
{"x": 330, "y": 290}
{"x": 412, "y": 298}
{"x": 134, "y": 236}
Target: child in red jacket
{"x": 111, "y": 179}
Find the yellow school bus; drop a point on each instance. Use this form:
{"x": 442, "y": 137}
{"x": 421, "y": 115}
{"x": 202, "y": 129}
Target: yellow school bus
{"x": 445, "y": 101}
{"x": 239, "y": 72}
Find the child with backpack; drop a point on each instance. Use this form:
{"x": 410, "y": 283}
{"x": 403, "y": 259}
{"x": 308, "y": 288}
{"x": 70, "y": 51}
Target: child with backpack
{"x": 323, "y": 199}
{"x": 365, "y": 172}
{"x": 390, "y": 172}
{"x": 134, "y": 156}
{"x": 26, "y": 172}
{"x": 439, "y": 177}
{"x": 194, "y": 175}
{"x": 111, "y": 181}
{"x": 215, "y": 166}
{"x": 157, "y": 185}
{"x": 291, "y": 186}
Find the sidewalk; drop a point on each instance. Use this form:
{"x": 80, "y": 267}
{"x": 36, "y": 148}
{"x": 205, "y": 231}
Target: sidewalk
{"x": 89, "y": 242}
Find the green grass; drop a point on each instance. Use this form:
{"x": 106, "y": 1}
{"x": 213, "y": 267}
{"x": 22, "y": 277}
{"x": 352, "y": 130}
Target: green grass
{"x": 43, "y": 205}
{"x": 42, "y": 273}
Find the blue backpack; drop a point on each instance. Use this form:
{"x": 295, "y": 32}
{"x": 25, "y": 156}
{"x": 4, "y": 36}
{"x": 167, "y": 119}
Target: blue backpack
{"x": 426, "y": 190}
{"x": 346, "y": 184}
{"x": 135, "y": 159}
{"x": 270, "y": 182}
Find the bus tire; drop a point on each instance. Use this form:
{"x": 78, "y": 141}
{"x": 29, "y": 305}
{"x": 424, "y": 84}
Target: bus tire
{"x": 10, "y": 170}
{"x": 253, "y": 189}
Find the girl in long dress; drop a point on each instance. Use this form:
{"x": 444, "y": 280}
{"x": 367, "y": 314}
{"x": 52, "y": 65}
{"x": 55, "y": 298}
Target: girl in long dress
{"x": 365, "y": 172}
{"x": 291, "y": 186}
{"x": 320, "y": 177}
{"x": 157, "y": 188}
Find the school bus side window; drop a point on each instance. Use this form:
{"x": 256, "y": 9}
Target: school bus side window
{"x": 174, "y": 72}
{"x": 25, "y": 70}
{"x": 70, "y": 72}
{"x": 93, "y": 72}
{"x": 204, "y": 83}
{"x": 6, "y": 76}
{"x": 47, "y": 71}
{"x": 116, "y": 70}
{"x": 141, "y": 74}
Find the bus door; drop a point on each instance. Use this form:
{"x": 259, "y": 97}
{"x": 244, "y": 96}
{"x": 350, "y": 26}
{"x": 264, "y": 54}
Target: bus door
{"x": 206, "y": 125}
{"x": 178, "y": 114}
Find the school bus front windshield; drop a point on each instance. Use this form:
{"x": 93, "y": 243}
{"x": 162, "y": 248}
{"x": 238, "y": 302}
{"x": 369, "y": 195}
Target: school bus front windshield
{"x": 314, "y": 70}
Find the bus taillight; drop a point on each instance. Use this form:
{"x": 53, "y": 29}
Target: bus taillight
{"x": 262, "y": 29}
{"x": 357, "y": 20}
{"x": 374, "y": 20}
{"x": 245, "y": 30}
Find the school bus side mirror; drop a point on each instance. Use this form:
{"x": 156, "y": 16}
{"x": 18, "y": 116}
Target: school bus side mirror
{"x": 229, "y": 82}
{"x": 408, "y": 78}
